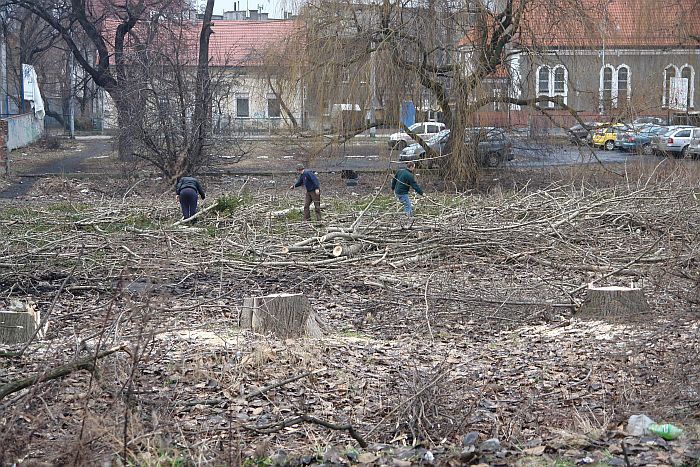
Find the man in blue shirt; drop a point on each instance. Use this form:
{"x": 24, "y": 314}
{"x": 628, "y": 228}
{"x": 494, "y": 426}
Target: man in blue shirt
{"x": 313, "y": 191}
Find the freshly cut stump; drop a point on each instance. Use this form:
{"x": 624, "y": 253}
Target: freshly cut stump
{"x": 284, "y": 315}
{"x": 613, "y": 301}
{"x": 19, "y": 323}
{"x": 347, "y": 250}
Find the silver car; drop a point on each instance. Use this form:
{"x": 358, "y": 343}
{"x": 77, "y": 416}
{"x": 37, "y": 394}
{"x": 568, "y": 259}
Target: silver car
{"x": 658, "y": 141}
{"x": 694, "y": 146}
{"x": 676, "y": 142}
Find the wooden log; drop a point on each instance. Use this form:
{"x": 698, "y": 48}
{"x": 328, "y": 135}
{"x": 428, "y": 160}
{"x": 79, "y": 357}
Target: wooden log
{"x": 613, "y": 301}
{"x": 19, "y": 323}
{"x": 284, "y": 315}
{"x": 347, "y": 250}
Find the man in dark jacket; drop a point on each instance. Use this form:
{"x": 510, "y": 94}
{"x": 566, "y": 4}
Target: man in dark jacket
{"x": 313, "y": 191}
{"x": 188, "y": 190}
{"x": 402, "y": 183}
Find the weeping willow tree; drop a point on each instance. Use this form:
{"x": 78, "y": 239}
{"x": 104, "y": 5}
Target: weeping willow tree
{"x": 451, "y": 58}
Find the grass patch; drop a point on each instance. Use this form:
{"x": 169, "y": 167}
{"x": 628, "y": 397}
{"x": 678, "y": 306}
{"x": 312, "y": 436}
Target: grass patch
{"x": 227, "y": 204}
{"x": 382, "y": 203}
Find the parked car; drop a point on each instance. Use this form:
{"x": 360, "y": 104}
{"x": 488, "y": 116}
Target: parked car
{"x": 606, "y": 137}
{"x": 675, "y": 142}
{"x": 694, "y": 146}
{"x": 579, "y": 133}
{"x": 657, "y": 139}
{"x": 492, "y": 147}
{"x": 640, "y": 141}
{"x": 423, "y": 129}
{"x": 657, "y": 121}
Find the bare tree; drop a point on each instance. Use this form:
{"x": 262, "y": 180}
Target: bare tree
{"x": 146, "y": 52}
{"x": 442, "y": 54}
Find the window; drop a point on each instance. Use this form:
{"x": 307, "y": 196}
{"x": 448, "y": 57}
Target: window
{"x": 688, "y": 73}
{"x": 273, "y": 108}
{"x": 623, "y": 83}
{"x": 607, "y": 88}
{"x": 543, "y": 81}
{"x": 615, "y": 88}
{"x": 498, "y": 104}
{"x": 433, "y": 128}
{"x": 683, "y": 134}
{"x": 242, "y": 107}
{"x": 552, "y": 82}
{"x": 559, "y": 80}
{"x": 669, "y": 72}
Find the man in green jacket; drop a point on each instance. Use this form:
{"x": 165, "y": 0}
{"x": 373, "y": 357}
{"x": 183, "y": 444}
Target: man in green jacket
{"x": 402, "y": 183}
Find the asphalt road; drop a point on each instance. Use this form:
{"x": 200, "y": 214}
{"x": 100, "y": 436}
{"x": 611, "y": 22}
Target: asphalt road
{"x": 527, "y": 154}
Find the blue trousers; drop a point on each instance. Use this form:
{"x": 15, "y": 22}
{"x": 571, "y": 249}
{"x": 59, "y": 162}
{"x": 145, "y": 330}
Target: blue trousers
{"x": 188, "y": 202}
{"x": 406, "y": 201}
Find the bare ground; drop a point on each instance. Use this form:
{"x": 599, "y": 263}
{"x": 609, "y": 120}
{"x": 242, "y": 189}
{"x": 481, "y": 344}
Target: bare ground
{"x": 464, "y": 323}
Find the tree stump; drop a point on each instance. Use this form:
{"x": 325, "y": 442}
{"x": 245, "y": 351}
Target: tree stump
{"x": 613, "y": 301}
{"x": 19, "y": 323}
{"x": 284, "y": 315}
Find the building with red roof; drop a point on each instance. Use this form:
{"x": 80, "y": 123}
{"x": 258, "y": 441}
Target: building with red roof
{"x": 612, "y": 57}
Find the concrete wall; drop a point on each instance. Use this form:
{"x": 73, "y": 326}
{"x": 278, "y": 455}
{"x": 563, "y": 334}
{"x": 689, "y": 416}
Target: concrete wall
{"x": 23, "y": 130}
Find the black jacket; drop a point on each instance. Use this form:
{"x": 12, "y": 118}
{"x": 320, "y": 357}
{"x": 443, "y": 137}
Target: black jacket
{"x": 189, "y": 182}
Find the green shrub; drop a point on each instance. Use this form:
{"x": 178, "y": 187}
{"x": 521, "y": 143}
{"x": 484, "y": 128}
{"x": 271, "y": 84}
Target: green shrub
{"x": 228, "y": 203}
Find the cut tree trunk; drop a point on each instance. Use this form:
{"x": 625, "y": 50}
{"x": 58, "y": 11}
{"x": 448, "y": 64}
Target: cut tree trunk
{"x": 284, "y": 315}
{"x": 19, "y": 324}
{"x": 613, "y": 301}
{"x": 347, "y": 250}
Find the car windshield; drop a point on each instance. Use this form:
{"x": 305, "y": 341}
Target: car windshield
{"x": 415, "y": 126}
{"x": 438, "y": 136}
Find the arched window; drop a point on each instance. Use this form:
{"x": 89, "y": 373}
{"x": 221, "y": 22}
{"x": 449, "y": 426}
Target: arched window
{"x": 606, "y": 87}
{"x": 688, "y": 73}
{"x": 623, "y": 85}
{"x": 543, "y": 81}
{"x": 615, "y": 86}
{"x": 552, "y": 82}
{"x": 669, "y": 72}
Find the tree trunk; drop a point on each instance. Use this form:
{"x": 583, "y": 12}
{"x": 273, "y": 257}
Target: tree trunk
{"x": 201, "y": 120}
{"x": 613, "y": 301}
{"x": 347, "y": 250}
{"x": 284, "y": 315}
{"x": 17, "y": 327}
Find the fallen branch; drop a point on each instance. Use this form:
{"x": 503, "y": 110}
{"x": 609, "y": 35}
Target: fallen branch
{"x": 275, "y": 427}
{"x": 86, "y": 363}
{"x": 196, "y": 215}
{"x": 277, "y": 384}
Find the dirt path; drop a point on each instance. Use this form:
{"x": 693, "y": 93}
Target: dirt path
{"x": 93, "y": 147}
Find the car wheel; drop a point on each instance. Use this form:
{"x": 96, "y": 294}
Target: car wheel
{"x": 609, "y": 145}
{"x": 493, "y": 160}
{"x": 401, "y": 145}
{"x": 684, "y": 152}
{"x": 647, "y": 150}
